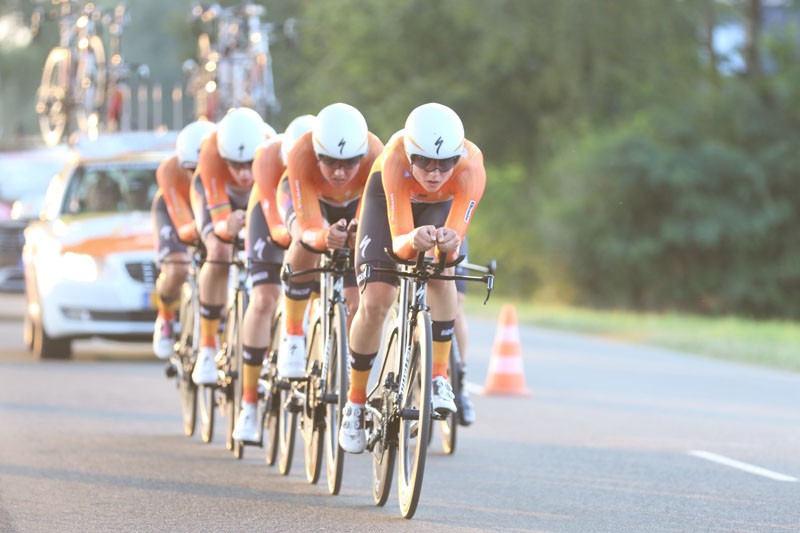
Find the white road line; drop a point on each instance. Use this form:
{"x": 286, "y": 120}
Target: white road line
{"x": 472, "y": 388}
{"x": 757, "y": 470}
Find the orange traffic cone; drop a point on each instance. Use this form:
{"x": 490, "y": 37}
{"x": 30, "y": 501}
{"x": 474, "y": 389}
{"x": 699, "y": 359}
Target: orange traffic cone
{"x": 506, "y": 375}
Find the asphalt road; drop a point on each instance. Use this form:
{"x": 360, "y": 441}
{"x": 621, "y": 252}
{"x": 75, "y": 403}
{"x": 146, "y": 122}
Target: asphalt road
{"x": 615, "y": 437}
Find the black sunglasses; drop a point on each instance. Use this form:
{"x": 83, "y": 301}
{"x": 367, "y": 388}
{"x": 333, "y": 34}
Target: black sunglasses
{"x": 334, "y": 163}
{"x": 429, "y": 164}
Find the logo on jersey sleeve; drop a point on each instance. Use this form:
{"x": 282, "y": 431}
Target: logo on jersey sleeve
{"x": 470, "y": 207}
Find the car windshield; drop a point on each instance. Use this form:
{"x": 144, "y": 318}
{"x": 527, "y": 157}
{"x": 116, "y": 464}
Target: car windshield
{"x": 111, "y": 189}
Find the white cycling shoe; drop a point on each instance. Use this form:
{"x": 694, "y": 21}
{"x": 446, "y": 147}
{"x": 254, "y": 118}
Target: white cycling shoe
{"x": 292, "y": 357}
{"x": 205, "y": 368}
{"x": 246, "y": 428}
{"x": 352, "y": 437}
{"x": 442, "y": 397}
{"x": 163, "y": 341}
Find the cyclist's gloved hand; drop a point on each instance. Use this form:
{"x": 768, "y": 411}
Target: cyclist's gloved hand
{"x": 352, "y": 229}
{"x": 236, "y": 222}
{"x": 424, "y": 238}
{"x": 446, "y": 240}
{"x": 337, "y": 235}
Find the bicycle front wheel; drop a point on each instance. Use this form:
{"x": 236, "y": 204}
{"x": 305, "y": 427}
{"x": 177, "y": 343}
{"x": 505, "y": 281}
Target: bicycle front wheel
{"x": 384, "y": 450}
{"x": 287, "y": 427}
{"x": 207, "y": 405}
{"x": 269, "y": 436}
{"x": 312, "y": 423}
{"x": 336, "y": 385}
{"x": 233, "y": 362}
{"x": 416, "y": 422}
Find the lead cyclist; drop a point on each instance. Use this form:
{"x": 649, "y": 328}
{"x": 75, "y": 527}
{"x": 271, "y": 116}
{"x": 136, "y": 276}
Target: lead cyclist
{"x": 420, "y": 197}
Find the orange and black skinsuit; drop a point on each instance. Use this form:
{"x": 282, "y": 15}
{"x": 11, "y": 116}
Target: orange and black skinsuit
{"x": 394, "y": 204}
{"x": 173, "y": 222}
{"x": 214, "y": 195}
{"x": 316, "y": 204}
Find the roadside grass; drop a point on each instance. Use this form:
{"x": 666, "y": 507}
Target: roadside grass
{"x": 770, "y": 343}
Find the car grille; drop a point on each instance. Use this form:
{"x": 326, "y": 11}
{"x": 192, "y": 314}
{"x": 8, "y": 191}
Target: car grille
{"x": 145, "y": 272}
{"x": 124, "y": 316}
{"x": 11, "y": 241}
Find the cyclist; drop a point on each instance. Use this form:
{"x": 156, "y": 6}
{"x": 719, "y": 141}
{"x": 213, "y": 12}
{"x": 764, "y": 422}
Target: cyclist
{"x": 327, "y": 169}
{"x": 221, "y": 190}
{"x": 267, "y": 237}
{"x": 173, "y": 225}
{"x": 421, "y": 196}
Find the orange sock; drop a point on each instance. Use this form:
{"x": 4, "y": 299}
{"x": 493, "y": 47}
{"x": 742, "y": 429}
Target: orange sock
{"x": 358, "y": 386}
{"x": 250, "y": 383}
{"x": 167, "y": 307}
{"x": 441, "y": 353}
{"x": 295, "y": 311}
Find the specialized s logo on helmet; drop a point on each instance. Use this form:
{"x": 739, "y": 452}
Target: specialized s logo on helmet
{"x": 341, "y": 145}
{"x": 241, "y": 151}
{"x": 438, "y": 144}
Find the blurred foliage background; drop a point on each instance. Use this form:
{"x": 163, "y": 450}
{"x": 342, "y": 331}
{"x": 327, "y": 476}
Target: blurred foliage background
{"x": 634, "y": 161}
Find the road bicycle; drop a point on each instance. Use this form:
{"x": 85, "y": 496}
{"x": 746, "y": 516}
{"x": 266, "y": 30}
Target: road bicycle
{"x": 73, "y": 81}
{"x": 187, "y": 339}
{"x": 449, "y": 424}
{"x": 398, "y": 409}
{"x": 323, "y": 394}
{"x": 226, "y": 393}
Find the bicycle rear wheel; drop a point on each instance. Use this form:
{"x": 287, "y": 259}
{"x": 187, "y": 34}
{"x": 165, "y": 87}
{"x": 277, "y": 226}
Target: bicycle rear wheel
{"x": 312, "y": 422}
{"x": 336, "y": 385}
{"x": 413, "y": 435}
{"x": 384, "y": 451}
{"x": 449, "y": 425}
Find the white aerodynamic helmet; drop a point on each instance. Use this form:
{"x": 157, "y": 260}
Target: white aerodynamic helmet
{"x": 296, "y": 129}
{"x": 239, "y": 133}
{"x": 187, "y": 145}
{"x": 340, "y": 132}
{"x": 434, "y": 131}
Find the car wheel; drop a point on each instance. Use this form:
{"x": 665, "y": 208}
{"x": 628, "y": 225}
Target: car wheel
{"x": 46, "y": 347}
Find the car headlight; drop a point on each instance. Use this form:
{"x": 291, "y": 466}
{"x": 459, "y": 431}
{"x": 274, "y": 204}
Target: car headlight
{"x": 78, "y": 267}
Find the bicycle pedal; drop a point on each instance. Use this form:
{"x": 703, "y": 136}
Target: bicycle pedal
{"x": 435, "y": 415}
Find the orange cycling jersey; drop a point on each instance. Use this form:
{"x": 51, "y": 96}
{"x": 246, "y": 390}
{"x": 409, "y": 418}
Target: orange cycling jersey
{"x": 268, "y": 168}
{"x": 465, "y": 187}
{"x": 308, "y": 186}
{"x": 216, "y": 178}
{"x": 174, "y": 184}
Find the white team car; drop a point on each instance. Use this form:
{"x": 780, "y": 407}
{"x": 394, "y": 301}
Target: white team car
{"x": 89, "y": 261}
